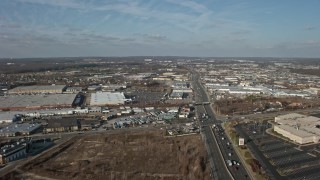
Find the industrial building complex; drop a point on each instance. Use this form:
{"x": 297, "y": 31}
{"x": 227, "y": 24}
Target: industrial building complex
{"x": 52, "y": 89}
{"x": 107, "y": 98}
{"x": 19, "y": 129}
{"x": 38, "y": 101}
{"x": 13, "y": 151}
{"x": 298, "y": 128}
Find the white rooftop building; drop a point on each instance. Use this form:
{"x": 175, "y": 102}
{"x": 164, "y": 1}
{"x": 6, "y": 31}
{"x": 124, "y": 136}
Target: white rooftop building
{"x": 298, "y": 128}
{"x": 38, "y": 89}
{"x": 108, "y": 98}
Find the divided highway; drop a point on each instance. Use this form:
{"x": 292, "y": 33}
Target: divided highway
{"x": 216, "y": 143}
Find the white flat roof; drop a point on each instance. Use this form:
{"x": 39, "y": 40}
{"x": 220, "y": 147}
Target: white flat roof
{"x": 294, "y": 119}
{"x": 292, "y": 130}
{"x": 40, "y": 88}
{"x": 103, "y": 98}
{"x": 307, "y": 124}
{"x": 291, "y": 116}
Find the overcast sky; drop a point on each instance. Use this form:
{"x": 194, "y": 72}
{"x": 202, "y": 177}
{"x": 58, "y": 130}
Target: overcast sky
{"x": 59, "y": 28}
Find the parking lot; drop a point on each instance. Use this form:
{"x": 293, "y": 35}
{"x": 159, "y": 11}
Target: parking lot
{"x": 310, "y": 173}
{"x": 280, "y": 153}
{"x": 293, "y": 168}
{"x": 276, "y": 146}
{"x": 146, "y": 97}
{"x": 289, "y": 160}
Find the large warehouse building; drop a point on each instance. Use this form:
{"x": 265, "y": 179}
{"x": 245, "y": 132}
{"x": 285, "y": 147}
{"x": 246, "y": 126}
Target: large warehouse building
{"x": 107, "y": 98}
{"x": 50, "y": 89}
{"x": 298, "y": 128}
{"x": 19, "y": 129}
{"x": 39, "y": 101}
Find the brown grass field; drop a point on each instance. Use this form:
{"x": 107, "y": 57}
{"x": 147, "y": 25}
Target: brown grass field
{"x": 122, "y": 156}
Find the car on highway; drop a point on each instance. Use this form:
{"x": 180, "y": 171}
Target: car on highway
{"x": 234, "y": 162}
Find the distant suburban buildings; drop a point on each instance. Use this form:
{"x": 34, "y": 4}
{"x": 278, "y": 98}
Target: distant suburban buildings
{"x": 298, "y": 128}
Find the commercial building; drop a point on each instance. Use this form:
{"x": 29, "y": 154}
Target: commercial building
{"x": 13, "y": 116}
{"x": 62, "y": 125}
{"x": 69, "y": 125}
{"x": 9, "y": 116}
{"x": 94, "y": 109}
{"x": 50, "y": 89}
{"x": 298, "y": 128}
{"x": 49, "y": 112}
{"x": 181, "y": 85}
{"x": 237, "y": 90}
{"x": 13, "y": 151}
{"x": 180, "y": 90}
{"x": 107, "y": 98}
{"x": 17, "y": 149}
{"x": 19, "y": 129}
{"x": 113, "y": 87}
{"x": 162, "y": 78}
{"x": 38, "y": 101}
{"x": 73, "y": 90}
{"x": 94, "y": 88}
{"x": 176, "y": 95}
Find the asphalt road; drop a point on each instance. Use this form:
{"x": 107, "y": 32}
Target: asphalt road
{"x": 217, "y": 150}
{"x": 216, "y": 161}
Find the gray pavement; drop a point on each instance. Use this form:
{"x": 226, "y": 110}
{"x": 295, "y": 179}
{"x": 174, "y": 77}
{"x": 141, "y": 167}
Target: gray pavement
{"x": 271, "y": 171}
{"x": 218, "y": 150}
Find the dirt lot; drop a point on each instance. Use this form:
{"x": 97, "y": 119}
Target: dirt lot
{"x": 127, "y": 156}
